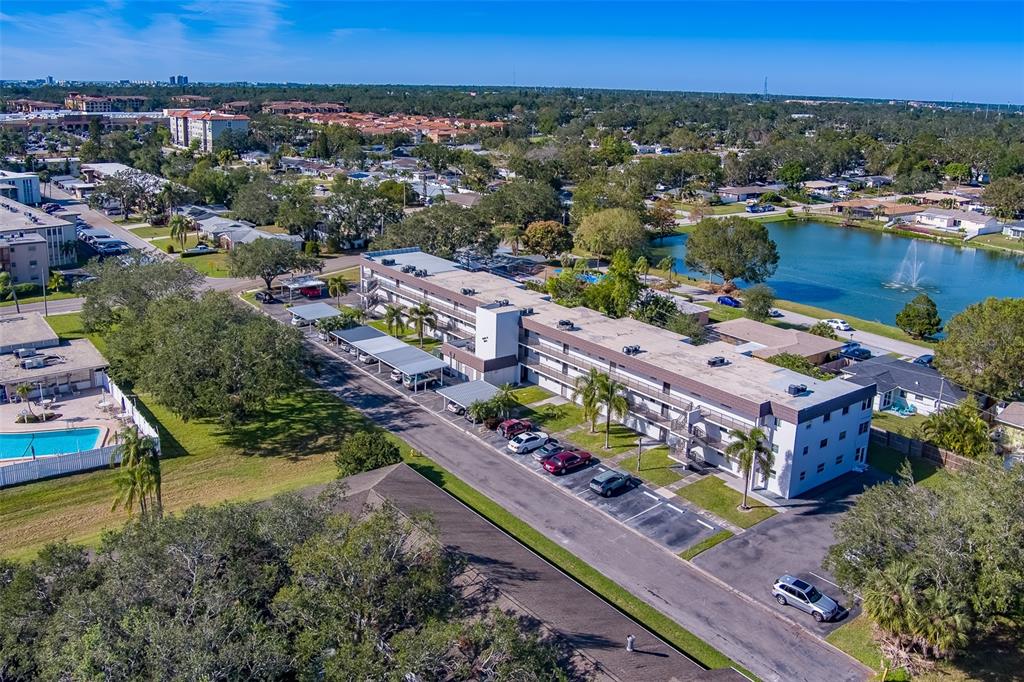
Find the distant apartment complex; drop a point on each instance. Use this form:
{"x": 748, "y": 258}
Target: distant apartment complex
{"x": 695, "y": 398}
{"x": 18, "y": 221}
{"x": 435, "y": 128}
{"x": 206, "y": 126}
{"x": 104, "y": 103}
{"x": 23, "y": 187}
{"x": 28, "y": 106}
{"x": 284, "y": 108}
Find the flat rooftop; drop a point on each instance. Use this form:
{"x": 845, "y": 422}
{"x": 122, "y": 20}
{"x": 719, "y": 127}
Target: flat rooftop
{"x": 22, "y": 330}
{"x": 70, "y": 356}
{"x": 16, "y": 216}
{"x": 745, "y": 377}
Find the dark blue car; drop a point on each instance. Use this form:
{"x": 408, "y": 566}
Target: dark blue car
{"x": 729, "y": 301}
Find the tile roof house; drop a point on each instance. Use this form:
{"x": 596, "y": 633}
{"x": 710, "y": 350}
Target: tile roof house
{"x": 953, "y": 220}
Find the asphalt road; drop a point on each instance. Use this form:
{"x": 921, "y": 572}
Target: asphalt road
{"x": 752, "y": 634}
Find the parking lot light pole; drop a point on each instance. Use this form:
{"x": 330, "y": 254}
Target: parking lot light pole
{"x": 639, "y": 452}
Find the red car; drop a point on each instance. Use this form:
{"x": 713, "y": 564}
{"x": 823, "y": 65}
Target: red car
{"x": 510, "y": 428}
{"x": 312, "y": 292}
{"x": 566, "y": 461}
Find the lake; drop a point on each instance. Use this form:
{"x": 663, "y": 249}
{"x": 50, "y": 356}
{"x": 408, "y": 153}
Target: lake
{"x": 872, "y": 275}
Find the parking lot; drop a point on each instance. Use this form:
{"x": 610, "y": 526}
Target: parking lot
{"x": 795, "y": 543}
{"x": 670, "y": 523}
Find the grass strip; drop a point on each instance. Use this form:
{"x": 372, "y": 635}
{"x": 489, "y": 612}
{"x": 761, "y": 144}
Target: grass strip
{"x": 610, "y": 591}
{"x": 705, "y": 544}
{"x": 855, "y": 639}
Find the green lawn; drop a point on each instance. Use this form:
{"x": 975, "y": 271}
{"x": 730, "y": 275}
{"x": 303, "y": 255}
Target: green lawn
{"x": 857, "y": 323}
{"x": 38, "y": 298}
{"x": 720, "y": 209}
{"x": 429, "y": 344}
{"x": 527, "y": 395}
{"x": 554, "y": 418}
{"x": 655, "y": 467}
{"x": 705, "y": 544}
{"x": 151, "y": 232}
{"x": 855, "y": 639}
{"x": 721, "y": 313}
{"x": 622, "y": 439}
{"x": 889, "y": 461}
{"x": 890, "y": 421}
{"x": 164, "y": 242}
{"x": 714, "y": 495}
{"x": 998, "y": 240}
{"x": 210, "y": 264}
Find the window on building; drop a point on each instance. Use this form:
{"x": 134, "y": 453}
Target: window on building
{"x": 846, "y": 410}
{"x": 842, "y": 435}
{"x": 823, "y": 443}
{"x": 808, "y": 424}
{"x": 806, "y": 448}
{"x": 803, "y": 475}
{"x": 775, "y": 448}
{"x": 32, "y": 262}
{"x": 839, "y": 459}
{"x": 863, "y": 428}
{"x": 865, "y": 404}
{"x": 821, "y": 467}
{"x": 827, "y": 417}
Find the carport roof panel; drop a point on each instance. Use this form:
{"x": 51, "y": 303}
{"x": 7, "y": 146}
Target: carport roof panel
{"x": 314, "y": 311}
{"x": 378, "y": 344}
{"x": 361, "y": 333}
{"x": 470, "y": 392}
{"x": 409, "y": 360}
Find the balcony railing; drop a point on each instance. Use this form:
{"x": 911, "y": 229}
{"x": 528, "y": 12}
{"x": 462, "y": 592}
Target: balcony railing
{"x": 621, "y": 377}
{"x": 724, "y": 420}
{"x": 443, "y": 308}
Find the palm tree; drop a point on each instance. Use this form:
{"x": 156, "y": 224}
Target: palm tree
{"x": 504, "y": 399}
{"x": 749, "y": 448}
{"x": 338, "y": 287}
{"x": 668, "y": 263}
{"x": 139, "y": 480}
{"x": 56, "y": 282}
{"x": 23, "y": 391}
{"x": 394, "y": 320}
{"x": 422, "y": 316}
{"x": 68, "y": 248}
{"x": 180, "y": 227}
{"x": 642, "y": 266}
{"x": 611, "y": 394}
{"x": 585, "y": 391}
{"x": 890, "y": 598}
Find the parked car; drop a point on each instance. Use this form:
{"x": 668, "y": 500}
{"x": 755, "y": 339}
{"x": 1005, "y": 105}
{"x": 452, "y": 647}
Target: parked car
{"x": 265, "y": 297}
{"x": 856, "y": 354}
{"x": 759, "y": 208}
{"x": 607, "y": 483}
{"x": 552, "y": 447}
{"x": 312, "y": 292}
{"x": 790, "y": 591}
{"x": 513, "y": 427}
{"x": 527, "y": 442}
{"x": 729, "y": 301}
{"x": 455, "y": 408}
{"x": 396, "y": 376}
{"x": 566, "y": 461}
{"x": 838, "y": 325}
{"x": 366, "y": 358}
{"x": 925, "y": 360}
{"x": 353, "y": 351}
{"x": 199, "y": 250}
{"x": 774, "y": 312}
{"x": 418, "y": 382}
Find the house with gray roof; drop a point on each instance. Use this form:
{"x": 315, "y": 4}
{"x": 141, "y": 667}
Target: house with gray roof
{"x": 901, "y": 384}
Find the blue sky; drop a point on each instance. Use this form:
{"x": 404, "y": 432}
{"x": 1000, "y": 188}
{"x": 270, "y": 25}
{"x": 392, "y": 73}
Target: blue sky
{"x": 908, "y": 50}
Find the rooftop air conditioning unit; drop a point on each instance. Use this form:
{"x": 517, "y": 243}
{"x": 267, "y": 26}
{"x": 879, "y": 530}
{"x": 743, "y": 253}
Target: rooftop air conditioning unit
{"x": 527, "y": 311}
{"x": 466, "y": 291}
{"x": 34, "y": 362}
{"x": 717, "y": 361}
{"x": 421, "y": 273}
{"x": 565, "y": 324}
{"x": 387, "y": 261}
{"x": 501, "y": 302}
{"x": 24, "y": 352}
{"x": 796, "y": 389}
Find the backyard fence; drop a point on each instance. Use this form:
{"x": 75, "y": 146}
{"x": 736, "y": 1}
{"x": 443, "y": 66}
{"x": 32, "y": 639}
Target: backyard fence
{"x": 912, "y": 447}
{"x": 58, "y": 465}
{"x": 128, "y": 406}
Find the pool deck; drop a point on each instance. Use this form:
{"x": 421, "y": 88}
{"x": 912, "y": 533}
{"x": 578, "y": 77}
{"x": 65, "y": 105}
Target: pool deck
{"x": 80, "y": 412}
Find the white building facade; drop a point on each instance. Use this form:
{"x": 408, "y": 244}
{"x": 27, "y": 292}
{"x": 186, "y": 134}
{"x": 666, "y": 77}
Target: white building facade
{"x": 26, "y": 186}
{"x": 17, "y": 219}
{"x": 697, "y": 399}
{"x": 206, "y": 126}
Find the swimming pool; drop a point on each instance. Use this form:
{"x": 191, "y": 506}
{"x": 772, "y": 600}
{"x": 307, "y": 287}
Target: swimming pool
{"x": 43, "y": 443}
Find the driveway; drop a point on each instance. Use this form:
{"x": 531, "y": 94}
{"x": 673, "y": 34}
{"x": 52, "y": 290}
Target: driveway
{"x": 739, "y": 627}
{"x": 793, "y": 542}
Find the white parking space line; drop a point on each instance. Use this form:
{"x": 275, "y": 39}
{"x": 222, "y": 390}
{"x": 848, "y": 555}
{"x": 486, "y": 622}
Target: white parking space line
{"x": 641, "y": 513}
{"x": 706, "y": 525}
{"x": 830, "y": 582}
{"x": 675, "y": 509}
{"x": 653, "y": 497}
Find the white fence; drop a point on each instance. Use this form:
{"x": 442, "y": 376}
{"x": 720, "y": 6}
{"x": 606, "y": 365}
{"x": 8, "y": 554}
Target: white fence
{"x": 75, "y": 462}
{"x": 58, "y": 465}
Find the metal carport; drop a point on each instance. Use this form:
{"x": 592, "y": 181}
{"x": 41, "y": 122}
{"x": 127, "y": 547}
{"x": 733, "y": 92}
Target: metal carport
{"x": 312, "y": 312}
{"x": 468, "y": 393}
{"x": 396, "y": 354}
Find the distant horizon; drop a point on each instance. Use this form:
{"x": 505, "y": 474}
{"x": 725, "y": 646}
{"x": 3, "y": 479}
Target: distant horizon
{"x": 955, "y": 51}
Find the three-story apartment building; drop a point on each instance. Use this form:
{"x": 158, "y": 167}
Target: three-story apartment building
{"x": 695, "y": 398}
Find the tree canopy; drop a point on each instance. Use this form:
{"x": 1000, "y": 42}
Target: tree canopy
{"x": 128, "y": 286}
{"x": 732, "y": 248}
{"x": 984, "y": 348}
{"x": 920, "y": 317}
{"x": 610, "y": 230}
{"x": 521, "y": 202}
{"x": 268, "y": 259}
{"x": 441, "y": 230}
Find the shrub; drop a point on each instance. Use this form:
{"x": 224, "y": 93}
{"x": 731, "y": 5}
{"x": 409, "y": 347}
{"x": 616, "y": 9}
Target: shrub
{"x": 822, "y": 329}
{"x": 170, "y": 248}
{"x": 365, "y": 451}
{"x": 311, "y": 248}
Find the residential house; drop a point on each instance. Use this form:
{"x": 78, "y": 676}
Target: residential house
{"x": 868, "y": 209}
{"x": 952, "y": 220}
{"x": 765, "y": 341}
{"x": 732, "y": 194}
{"x": 1014, "y": 230}
{"x": 903, "y": 385}
{"x": 1010, "y": 420}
